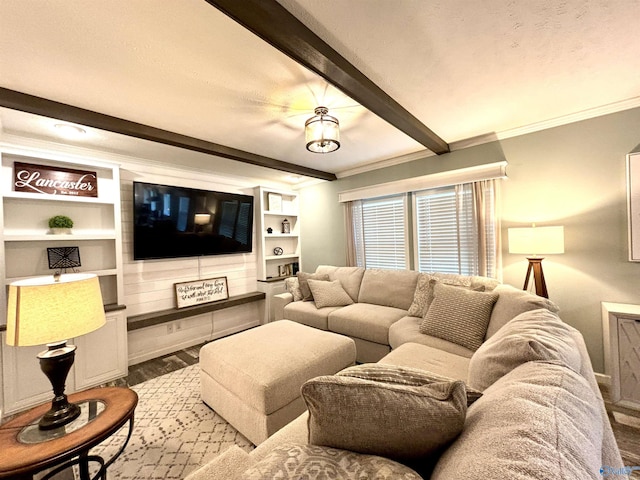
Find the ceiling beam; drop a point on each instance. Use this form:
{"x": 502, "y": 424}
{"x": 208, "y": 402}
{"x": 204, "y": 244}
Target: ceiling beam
{"x": 61, "y": 111}
{"x": 274, "y": 24}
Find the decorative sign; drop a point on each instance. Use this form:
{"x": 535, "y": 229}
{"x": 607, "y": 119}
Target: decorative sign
{"x": 201, "y": 291}
{"x": 54, "y": 180}
{"x": 63, "y": 257}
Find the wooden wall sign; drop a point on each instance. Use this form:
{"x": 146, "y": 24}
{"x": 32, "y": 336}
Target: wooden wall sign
{"x": 201, "y": 291}
{"x": 54, "y": 180}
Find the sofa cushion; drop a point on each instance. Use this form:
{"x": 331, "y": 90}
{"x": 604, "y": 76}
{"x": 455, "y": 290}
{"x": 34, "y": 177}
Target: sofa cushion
{"x": 303, "y": 278}
{"x": 383, "y": 417}
{"x": 390, "y": 288}
{"x": 540, "y": 421}
{"x": 296, "y": 461}
{"x": 308, "y": 314}
{"x": 350, "y": 278}
{"x": 534, "y": 335}
{"x": 292, "y": 285}
{"x": 407, "y": 330}
{"x": 459, "y": 315}
{"x": 329, "y": 294}
{"x": 366, "y": 321}
{"x": 430, "y": 359}
{"x": 511, "y": 303}
{"x": 401, "y": 375}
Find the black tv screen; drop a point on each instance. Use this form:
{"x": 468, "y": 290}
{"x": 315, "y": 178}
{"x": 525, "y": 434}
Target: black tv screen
{"x": 171, "y": 222}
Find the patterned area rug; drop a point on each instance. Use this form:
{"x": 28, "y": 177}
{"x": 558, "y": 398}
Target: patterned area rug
{"x": 174, "y": 431}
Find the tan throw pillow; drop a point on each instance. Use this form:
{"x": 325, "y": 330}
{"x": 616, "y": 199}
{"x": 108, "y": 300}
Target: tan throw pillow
{"x": 459, "y": 315}
{"x": 422, "y": 297}
{"x": 295, "y": 461}
{"x": 303, "y": 279}
{"x": 402, "y": 422}
{"x": 534, "y": 335}
{"x": 329, "y": 294}
{"x": 379, "y": 372}
{"x": 292, "y": 285}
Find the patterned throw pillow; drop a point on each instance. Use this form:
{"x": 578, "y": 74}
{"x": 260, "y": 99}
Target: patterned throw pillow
{"x": 292, "y": 285}
{"x": 459, "y": 315}
{"x": 329, "y": 294}
{"x": 296, "y": 461}
{"x": 303, "y": 279}
{"x": 403, "y": 422}
{"x": 422, "y": 297}
{"x": 379, "y": 372}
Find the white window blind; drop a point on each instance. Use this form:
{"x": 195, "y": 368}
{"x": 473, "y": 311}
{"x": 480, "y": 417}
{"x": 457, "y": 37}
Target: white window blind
{"x": 380, "y": 232}
{"x": 446, "y": 230}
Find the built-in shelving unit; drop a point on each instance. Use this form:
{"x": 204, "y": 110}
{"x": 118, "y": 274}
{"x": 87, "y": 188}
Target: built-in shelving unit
{"x": 24, "y": 239}
{"x": 273, "y": 208}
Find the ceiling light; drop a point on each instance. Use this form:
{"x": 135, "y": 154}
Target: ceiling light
{"x": 69, "y": 130}
{"x": 322, "y": 132}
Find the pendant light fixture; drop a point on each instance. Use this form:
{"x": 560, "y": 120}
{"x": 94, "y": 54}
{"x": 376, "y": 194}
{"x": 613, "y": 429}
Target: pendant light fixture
{"x": 322, "y": 132}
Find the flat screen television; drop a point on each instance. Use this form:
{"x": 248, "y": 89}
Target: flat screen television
{"x": 171, "y": 222}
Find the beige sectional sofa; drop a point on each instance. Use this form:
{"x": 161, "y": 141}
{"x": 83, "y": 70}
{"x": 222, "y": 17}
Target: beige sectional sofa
{"x": 381, "y": 316}
{"x": 540, "y": 416}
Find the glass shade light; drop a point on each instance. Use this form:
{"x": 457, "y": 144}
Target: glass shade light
{"x": 50, "y": 310}
{"x": 202, "y": 218}
{"x": 322, "y": 132}
{"x": 535, "y": 241}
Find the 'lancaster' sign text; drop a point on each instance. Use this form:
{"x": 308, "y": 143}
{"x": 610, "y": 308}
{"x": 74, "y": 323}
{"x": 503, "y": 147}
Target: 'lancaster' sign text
{"x": 54, "y": 180}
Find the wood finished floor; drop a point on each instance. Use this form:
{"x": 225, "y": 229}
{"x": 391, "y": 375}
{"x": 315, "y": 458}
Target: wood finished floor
{"x": 627, "y": 434}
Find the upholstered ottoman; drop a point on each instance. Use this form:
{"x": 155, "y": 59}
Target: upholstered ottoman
{"x": 253, "y": 379}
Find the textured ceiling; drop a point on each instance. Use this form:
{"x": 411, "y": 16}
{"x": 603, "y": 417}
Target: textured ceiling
{"x": 463, "y": 68}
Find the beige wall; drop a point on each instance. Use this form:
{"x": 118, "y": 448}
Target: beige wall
{"x": 572, "y": 175}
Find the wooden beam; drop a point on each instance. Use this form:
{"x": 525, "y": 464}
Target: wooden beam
{"x": 49, "y": 108}
{"x": 274, "y": 24}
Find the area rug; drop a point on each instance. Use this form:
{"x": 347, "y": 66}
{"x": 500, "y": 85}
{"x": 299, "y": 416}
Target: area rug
{"x": 174, "y": 431}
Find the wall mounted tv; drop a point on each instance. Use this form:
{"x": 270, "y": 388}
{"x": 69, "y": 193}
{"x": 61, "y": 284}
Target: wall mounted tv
{"x": 171, "y": 222}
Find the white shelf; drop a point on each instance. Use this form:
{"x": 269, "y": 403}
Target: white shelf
{"x": 100, "y": 273}
{"x": 280, "y": 214}
{"x": 280, "y": 257}
{"x": 54, "y": 198}
{"x": 280, "y": 235}
{"x": 24, "y": 236}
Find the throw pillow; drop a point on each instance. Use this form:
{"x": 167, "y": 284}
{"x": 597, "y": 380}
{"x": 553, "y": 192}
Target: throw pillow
{"x": 379, "y": 372}
{"x": 459, "y": 315}
{"x": 329, "y": 294}
{"x": 303, "y": 279}
{"x": 296, "y": 461}
{"x": 402, "y": 422}
{"x": 292, "y": 285}
{"x": 534, "y": 335}
{"x": 422, "y": 297}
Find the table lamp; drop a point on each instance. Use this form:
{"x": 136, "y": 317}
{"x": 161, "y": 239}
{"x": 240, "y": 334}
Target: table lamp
{"x": 535, "y": 241}
{"x": 50, "y": 310}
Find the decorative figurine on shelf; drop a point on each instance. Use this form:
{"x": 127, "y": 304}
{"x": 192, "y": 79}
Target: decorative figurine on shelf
{"x": 286, "y": 226}
{"x": 278, "y": 251}
{"x": 269, "y": 230}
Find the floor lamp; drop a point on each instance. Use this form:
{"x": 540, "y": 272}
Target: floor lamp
{"x": 536, "y": 241}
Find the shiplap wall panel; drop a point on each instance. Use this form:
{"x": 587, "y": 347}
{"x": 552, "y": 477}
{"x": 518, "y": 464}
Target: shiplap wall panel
{"x": 149, "y": 284}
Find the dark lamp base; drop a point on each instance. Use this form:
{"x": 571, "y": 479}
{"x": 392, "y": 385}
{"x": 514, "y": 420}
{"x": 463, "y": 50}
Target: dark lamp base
{"x": 56, "y": 363}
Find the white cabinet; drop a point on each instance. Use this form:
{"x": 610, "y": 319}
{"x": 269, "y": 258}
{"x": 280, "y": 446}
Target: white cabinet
{"x": 24, "y": 239}
{"x": 278, "y": 251}
{"x": 621, "y": 331}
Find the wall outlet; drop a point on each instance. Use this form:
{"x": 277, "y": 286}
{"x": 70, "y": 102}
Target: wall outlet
{"x": 170, "y": 329}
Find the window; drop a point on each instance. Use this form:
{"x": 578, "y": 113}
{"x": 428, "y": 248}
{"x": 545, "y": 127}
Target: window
{"x": 455, "y": 230}
{"x": 380, "y": 232}
{"x": 446, "y": 231}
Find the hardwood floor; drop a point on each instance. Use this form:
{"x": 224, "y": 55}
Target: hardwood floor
{"x": 625, "y": 422}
